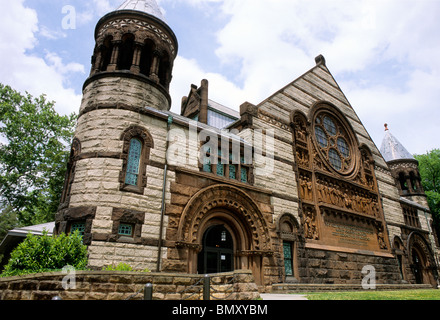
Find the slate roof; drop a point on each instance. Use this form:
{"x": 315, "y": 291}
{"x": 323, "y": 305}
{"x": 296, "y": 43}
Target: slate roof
{"x": 392, "y": 149}
{"x": 147, "y": 6}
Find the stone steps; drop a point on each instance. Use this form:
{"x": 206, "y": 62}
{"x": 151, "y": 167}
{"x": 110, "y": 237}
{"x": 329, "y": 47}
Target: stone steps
{"x": 301, "y": 287}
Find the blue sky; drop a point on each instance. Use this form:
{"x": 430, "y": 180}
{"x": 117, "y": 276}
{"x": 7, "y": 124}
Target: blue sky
{"x": 383, "y": 53}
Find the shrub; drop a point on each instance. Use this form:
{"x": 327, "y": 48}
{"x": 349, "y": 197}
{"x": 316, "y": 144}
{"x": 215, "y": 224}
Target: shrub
{"x": 121, "y": 267}
{"x": 47, "y": 253}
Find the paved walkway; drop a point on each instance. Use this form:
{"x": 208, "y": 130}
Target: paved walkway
{"x": 270, "y": 296}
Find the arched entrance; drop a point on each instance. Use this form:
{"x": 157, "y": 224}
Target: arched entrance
{"x": 217, "y": 254}
{"x": 218, "y": 210}
{"x": 422, "y": 261}
{"x": 418, "y": 265}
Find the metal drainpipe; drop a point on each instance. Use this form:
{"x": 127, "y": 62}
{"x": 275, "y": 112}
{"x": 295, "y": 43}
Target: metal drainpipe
{"x": 162, "y": 210}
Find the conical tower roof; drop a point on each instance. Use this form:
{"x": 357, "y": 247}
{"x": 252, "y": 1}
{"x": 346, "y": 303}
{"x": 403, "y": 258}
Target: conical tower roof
{"x": 147, "y": 6}
{"x": 392, "y": 149}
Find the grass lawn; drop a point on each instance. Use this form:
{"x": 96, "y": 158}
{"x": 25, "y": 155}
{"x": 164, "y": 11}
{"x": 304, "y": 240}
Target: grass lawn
{"x": 377, "y": 295}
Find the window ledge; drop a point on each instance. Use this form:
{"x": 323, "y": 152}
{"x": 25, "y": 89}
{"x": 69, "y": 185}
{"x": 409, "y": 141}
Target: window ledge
{"x": 133, "y": 189}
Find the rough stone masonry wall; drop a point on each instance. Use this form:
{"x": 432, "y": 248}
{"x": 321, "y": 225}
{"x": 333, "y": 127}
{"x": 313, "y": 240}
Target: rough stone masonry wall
{"x": 328, "y": 267}
{"x": 97, "y": 185}
{"x": 110, "y": 285}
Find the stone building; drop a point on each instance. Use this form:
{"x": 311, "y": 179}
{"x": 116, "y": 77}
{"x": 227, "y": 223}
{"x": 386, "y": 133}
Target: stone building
{"x": 293, "y": 188}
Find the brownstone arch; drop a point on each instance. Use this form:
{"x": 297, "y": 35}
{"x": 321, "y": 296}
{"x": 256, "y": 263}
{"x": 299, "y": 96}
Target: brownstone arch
{"x": 421, "y": 259}
{"x": 239, "y": 214}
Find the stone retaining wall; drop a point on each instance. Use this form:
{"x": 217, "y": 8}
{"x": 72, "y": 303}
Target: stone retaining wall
{"x": 112, "y": 285}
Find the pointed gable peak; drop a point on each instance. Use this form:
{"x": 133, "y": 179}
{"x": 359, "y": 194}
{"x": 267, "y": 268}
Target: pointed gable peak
{"x": 146, "y": 6}
{"x": 392, "y": 149}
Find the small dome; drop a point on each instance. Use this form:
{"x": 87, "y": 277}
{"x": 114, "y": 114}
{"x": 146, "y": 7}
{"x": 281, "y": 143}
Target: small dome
{"x": 392, "y": 149}
{"x": 147, "y": 6}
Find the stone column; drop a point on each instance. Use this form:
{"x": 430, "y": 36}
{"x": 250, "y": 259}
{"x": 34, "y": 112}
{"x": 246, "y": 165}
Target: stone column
{"x": 115, "y": 55}
{"x": 155, "y": 67}
{"x": 96, "y": 67}
{"x": 135, "y": 68}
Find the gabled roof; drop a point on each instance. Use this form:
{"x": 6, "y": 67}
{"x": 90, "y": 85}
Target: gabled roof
{"x": 147, "y": 6}
{"x": 392, "y": 149}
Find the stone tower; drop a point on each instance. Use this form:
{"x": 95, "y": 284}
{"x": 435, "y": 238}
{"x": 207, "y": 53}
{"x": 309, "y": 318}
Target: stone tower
{"x": 134, "y": 54}
{"x": 115, "y": 136}
{"x": 415, "y": 243}
{"x": 404, "y": 168}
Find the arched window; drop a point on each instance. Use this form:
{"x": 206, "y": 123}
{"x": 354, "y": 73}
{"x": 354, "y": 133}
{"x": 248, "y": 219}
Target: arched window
{"x": 134, "y": 161}
{"x": 147, "y": 57}
{"x": 106, "y": 53}
{"x": 135, "y": 155}
{"x": 403, "y": 182}
{"x": 413, "y": 180}
{"x": 164, "y": 68}
{"x": 126, "y": 52}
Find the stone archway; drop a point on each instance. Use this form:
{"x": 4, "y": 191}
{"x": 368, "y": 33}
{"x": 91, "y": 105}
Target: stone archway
{"x": 228, "y": 206}
{"x": 421, "y": 260}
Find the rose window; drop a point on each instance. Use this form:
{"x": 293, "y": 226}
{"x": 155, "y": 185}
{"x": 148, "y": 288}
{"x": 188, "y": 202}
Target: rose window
{"x": 334, "y": 142}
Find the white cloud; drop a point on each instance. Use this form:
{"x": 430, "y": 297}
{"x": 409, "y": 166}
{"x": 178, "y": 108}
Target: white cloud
{"x": 56, "y": 62}
{"x": 28, "y": 72}
{"x": 51, "y": 34}
{"x": 187, "y": 72}
{"x": 384, "y": 54}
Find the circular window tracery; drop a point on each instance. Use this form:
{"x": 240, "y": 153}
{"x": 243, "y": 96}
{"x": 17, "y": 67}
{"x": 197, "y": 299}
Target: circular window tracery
{"x": 334, "y": 142}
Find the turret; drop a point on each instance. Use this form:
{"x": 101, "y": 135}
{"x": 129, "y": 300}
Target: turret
{"x": 404, "y": 167}
{"x": 106, "y": 180}
{"x": 133, "y": 59}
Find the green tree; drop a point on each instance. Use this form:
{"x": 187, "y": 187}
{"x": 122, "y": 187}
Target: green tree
{"x": 429, "y": 167}
{"x": 8, "y": 221}
{"x": 33, "y": 155}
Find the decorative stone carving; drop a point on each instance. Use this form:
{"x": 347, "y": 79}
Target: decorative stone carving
{"x": 310, "y": 223}
{"x": 288, "y": 227}
{"x": 381, "y": 236}
{"x": 346, "y": 196}
{"x": 336, "y": 177}
{"x": 306, "y": 187}
{"x": 245, "y": 211}
{"x": 119, "y": 26}
{"x": 300, "y": 128}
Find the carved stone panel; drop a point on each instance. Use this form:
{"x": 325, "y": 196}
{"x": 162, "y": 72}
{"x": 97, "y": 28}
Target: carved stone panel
{"x": 350, "y": 231}
{"x": 341, "y": 206}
